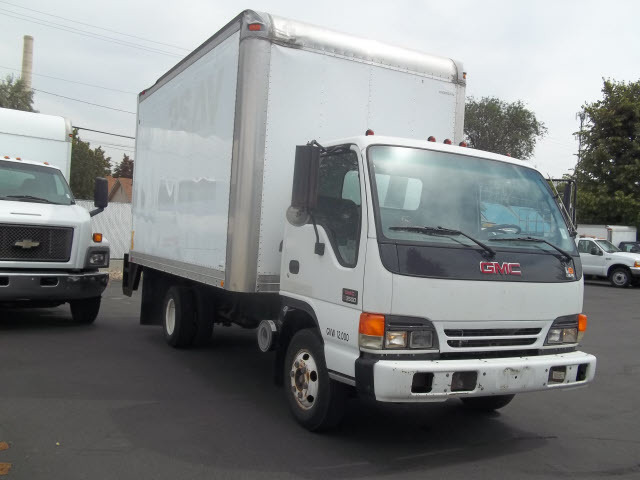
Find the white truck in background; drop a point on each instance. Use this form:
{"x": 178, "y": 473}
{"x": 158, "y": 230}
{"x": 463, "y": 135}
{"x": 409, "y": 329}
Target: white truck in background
{"x": 615, "y": 234}
{"x": 390, "y": 264}
{"x": 48, "y": 252}
{"x": 601, "y": 258}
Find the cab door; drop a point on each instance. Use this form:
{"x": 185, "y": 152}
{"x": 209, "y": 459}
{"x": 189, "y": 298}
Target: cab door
{"x": 592, "y": 258}
{"x": 329, "y": 278}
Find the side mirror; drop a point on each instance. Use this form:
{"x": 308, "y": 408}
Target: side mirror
{"x": 100, "y": 195}
{"x": 594, "y": 251}
{"x": 304, "y": 194}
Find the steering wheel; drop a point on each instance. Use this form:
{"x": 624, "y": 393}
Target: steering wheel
{"x": 503, "y": 226}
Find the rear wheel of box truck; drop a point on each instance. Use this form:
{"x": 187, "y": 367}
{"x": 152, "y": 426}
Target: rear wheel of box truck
{"x": 178, "y": 316}
{"x": 487, "y": 404}
{"x": 316, "y": 401}
{"x": 85, "y": 310}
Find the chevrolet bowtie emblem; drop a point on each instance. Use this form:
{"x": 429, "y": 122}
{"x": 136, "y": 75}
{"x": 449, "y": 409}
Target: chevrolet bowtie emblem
{"x": 26, "y": 244}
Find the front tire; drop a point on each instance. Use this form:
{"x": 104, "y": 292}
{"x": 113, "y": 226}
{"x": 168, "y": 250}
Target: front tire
{"x": 487, "y": 404}
{"x": 85, "y": 310}
{"x": 178, "y": 317}
{"x": 316, "y": 402}
{"x": 620, "y": 277}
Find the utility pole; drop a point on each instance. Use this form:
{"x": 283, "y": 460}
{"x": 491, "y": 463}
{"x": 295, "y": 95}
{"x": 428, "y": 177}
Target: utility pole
{"x": 27, "y": 61}
{"x": 579, "y": 115}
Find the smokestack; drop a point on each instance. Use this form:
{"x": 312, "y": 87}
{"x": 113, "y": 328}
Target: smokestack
{"x": 27, "y": 60}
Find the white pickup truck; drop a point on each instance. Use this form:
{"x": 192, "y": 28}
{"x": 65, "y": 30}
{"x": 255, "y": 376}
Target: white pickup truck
{"x": 603, "y": 259}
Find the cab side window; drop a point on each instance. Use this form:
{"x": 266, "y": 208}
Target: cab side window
{"x": 584, "y": 246}
{"x": 339, "y": 208}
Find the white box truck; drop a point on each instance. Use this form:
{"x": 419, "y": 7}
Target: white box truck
{"x": 615, "y": 234}
{"x": 48, "y": 252}
{"x": 403, "y": 269}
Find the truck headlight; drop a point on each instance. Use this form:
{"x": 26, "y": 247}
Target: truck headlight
{"x": 97, "y": 258}
{"x": 566, "y": 329}
{"x": 391, "y": 332}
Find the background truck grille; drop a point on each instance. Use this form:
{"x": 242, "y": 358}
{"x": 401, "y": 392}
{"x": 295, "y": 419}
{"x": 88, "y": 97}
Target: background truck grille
{"x": 491, "y": 337}
{"x": 35, "y": 244}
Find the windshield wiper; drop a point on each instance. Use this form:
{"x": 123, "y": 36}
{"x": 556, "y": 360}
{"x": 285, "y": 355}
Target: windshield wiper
{"x": 535, "y": 240}
{"x": 445, "y": 232}
{"x": 28, "y": 197}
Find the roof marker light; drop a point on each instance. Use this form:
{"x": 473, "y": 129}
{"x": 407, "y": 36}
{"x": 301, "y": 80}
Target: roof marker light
{"x": 6, "y": 157}
{"x": 463, "y": 144}
{"x": 431, "y": 139}
{"x": 447, "y": 141}
{"x": 255, "y": 27}
{"x": 369, "y": 132}
{"x": 464, "y": 75}
{"x": 46, "y": 163}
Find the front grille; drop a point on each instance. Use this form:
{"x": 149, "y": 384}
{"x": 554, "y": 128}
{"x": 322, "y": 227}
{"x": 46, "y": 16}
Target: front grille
{"x": 24, "y": 243}
{"x": 491, "y": 342}
{"x": 491, "y": 337}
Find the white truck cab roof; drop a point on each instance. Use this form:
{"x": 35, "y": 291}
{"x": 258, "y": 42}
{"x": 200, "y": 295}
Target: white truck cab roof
{"x": 7, "y": 158}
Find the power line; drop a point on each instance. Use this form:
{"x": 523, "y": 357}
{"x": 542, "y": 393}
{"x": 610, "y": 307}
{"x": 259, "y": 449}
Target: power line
{"x": 111, "y": 145}
{"x": 71, "y": 81}
{"x": 95, "y": 26}
{"x": 99, "y": 131}
{"x": 77, "y": 31}
{"x": 82, "y": 101}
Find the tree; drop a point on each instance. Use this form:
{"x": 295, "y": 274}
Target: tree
{"x": 608, "y": 170}
{"x": 500, "y": 127}
{"x": 124, "y": 169}
{"x": 14, "y": 94}
{"x": 86, "y": 165}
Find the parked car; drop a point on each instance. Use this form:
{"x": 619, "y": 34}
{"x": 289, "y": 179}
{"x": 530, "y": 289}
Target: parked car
{"x": 633, "y": 247}
{"x": 603, "y": 259}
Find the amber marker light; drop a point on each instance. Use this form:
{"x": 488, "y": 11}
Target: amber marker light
{"x": 371, "y": 330}
{"x": 97, "y": 237}
{"x": 582, "y": 325}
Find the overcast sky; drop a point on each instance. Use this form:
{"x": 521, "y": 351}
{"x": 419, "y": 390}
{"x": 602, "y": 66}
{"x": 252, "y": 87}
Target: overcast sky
{"x": 550, "y": 54}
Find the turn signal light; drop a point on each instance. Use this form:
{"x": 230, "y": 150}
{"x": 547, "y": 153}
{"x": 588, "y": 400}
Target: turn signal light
{"x": 371, "y": 324}
{"x": 582, "y": 322}
{"x": 97, "y": 237}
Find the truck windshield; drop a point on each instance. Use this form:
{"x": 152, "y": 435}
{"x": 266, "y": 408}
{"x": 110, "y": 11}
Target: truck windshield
{"x": 607, "y": 246}
{"x": 486, "y": 199}
{"x": 24, "y": 182}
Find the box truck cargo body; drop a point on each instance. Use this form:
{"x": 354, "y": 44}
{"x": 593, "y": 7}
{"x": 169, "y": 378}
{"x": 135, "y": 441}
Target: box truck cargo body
{"x": 350, "y": 256}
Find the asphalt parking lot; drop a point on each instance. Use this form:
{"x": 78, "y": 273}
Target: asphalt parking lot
{"x": 113, "y": 401}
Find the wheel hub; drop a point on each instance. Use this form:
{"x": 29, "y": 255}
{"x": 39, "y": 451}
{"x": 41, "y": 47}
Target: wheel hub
{"x": 170, "y": 316}
{"x": 619, "y": 278}
{"x": 304, "y": 379}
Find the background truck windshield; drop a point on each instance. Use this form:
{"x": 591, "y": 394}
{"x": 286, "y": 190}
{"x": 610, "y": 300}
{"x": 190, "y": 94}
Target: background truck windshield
{"x": 486, "y": 199}
{"x": 24, "y": 182}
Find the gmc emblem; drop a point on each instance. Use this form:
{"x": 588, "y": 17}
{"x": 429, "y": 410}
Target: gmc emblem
{"x": 504, "y": 268}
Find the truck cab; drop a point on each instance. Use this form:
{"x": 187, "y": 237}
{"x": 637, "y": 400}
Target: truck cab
{"x": 48, "y": 252}
{"x": 601, "y": 258}
{"x": 432, "y": 272}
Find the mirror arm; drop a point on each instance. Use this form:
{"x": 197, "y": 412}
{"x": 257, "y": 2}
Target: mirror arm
{"x": 95, "y": 212}
{"x": 319, "y": 247}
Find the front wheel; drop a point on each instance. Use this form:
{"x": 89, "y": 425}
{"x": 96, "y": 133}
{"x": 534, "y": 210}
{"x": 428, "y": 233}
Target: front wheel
{"x": 316, "y": 401}
{"x": 620, "y": 277}
{"x": 487, "y": 404}
{"x": 85, "y": 310}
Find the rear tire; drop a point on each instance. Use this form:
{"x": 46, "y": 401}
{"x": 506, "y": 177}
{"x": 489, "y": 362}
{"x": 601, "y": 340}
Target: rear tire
{"x": 487, "y": 404}
{"x": 85, "y": 310}
{"x": 620, "y": 277}
{"x": 316, "y": 401}
{"x": 178, "y": 317}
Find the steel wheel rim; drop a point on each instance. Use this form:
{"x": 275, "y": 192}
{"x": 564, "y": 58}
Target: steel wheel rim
{"x": 619, "y": 278}
{"x": 170, "y": 316}
{"x": 304, "y": 379}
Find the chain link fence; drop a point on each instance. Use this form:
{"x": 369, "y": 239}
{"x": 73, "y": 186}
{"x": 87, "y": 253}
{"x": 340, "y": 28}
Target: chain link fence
{"x": 114, "y": 223}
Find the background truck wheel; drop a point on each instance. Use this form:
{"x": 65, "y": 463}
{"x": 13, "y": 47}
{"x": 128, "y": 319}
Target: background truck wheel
{"x": 85, "y": 310}
{"x": 316, "y": 401}
{"x": 620, "y": 277}
{"x": 487, "y": 404}
{"x": 178, "y": 317}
